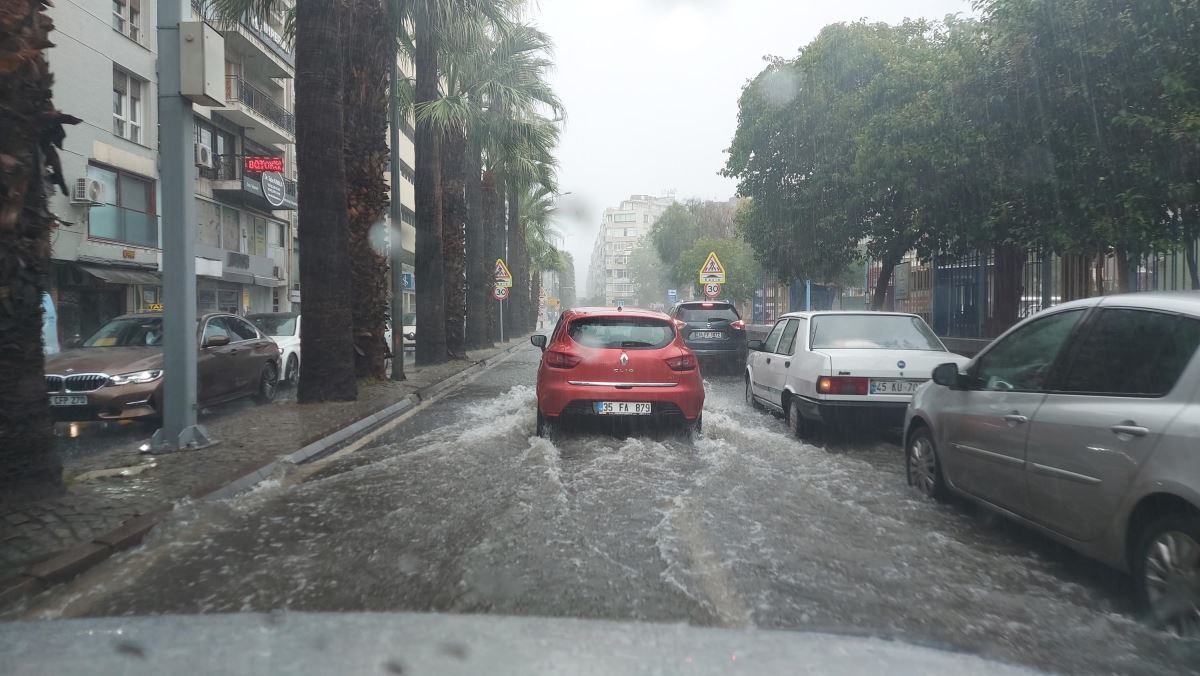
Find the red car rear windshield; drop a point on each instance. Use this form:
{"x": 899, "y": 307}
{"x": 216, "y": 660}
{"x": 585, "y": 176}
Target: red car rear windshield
{"x": 628, "y": 333}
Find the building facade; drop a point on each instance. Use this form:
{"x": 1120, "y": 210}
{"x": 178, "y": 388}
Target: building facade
{"x": 106, "y": 255}
{"x": 620, "y": 231}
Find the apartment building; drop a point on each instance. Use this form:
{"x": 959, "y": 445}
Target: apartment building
{"x": 621, "y": 229}
{"x": 106, "y": 251}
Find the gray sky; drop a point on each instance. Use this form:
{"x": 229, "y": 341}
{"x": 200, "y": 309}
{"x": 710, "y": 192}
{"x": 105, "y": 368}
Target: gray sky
{"x": 651, "y": 89}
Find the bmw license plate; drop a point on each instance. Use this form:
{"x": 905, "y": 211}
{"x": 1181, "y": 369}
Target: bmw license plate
{"x": 622, "y": 408}
{"x": 68, "y": 400}
{"x": 708, "y": 335}
{"x": 895, "y": 386}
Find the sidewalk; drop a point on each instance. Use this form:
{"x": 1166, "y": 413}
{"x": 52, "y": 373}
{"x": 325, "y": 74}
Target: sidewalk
{"x": 116, "y": 485}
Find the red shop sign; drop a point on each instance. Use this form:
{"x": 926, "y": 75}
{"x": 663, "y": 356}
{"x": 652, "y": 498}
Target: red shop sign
{"x": 260, "y": 163}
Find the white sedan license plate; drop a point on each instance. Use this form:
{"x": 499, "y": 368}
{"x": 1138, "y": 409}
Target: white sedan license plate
{"x": 707, "y": 335}
{"x": 622, "y": 408}
{"x": 68, "y": 400}
{"x": 894, "y": 386}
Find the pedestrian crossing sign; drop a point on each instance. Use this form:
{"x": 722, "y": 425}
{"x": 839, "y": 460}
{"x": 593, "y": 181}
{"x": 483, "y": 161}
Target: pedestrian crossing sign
{"x": 502, "y": 275}
{"x": 712, "y": 272}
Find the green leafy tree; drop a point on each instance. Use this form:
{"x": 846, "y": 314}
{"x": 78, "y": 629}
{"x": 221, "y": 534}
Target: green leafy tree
{"x": 741, "y": 268}
{"x": 648, "y": 272}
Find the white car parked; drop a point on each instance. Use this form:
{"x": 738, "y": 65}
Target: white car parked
{"x": 284, "y": 329}
{"x": 841, "y": 367}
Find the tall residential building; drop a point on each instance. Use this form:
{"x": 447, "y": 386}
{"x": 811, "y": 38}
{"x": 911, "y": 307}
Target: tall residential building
{"x": 106, "y": 256}
{"x": 408, "y": 201}
{"x": 620, "y": 231}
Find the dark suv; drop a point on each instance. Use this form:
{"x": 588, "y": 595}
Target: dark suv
{"x": 713, "y": 330}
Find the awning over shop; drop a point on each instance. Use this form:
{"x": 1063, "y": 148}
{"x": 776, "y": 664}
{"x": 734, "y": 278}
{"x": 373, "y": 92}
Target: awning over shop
{"x": 122, "y": 275}
{"x": 238, "y": 277}
{"x": 269, "y": 282}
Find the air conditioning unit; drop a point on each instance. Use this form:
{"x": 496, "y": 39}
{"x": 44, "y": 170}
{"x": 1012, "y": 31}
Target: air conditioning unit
{"x": 204, "y": 156}
{"x": 88, "y": 191}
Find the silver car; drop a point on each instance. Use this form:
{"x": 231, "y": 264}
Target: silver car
{"x": 1084, "y": 423}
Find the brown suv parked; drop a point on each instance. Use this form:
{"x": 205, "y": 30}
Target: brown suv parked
{"x": 117, "y": 374}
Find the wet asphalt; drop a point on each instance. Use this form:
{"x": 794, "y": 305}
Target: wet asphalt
{"x": 462, "y": 509}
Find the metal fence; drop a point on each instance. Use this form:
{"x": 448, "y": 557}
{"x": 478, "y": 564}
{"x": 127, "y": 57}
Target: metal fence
{"x": 981, "y": 294}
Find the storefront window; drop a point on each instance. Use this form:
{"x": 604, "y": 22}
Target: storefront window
{"x": 208, "y": 223}
{"x": 149, "y": 298}
{"x": 231, "y": 230}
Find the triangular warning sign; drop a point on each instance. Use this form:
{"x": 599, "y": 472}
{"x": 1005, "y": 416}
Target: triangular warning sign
{"x": 502, "y": 275}
{"x": 712, "y": 265}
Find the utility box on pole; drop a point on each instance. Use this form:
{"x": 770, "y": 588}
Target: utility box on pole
{"x": 201, "y": 63}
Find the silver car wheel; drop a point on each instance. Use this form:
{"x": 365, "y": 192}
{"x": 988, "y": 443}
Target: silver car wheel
{"x": 922, "y": 465}
{"x": 1172, "y": 579}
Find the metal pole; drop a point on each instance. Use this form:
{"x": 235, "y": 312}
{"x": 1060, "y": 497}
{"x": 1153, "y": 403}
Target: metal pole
{"x": 395, "y": 239}
{"x": 501, "y": 321}
{"x": 808, "y": 295}
{"x": 1047, "y": 277}
{"x": 178, "y": 175}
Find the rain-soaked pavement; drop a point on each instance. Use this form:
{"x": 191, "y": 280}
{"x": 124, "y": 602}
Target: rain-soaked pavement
{"x": 462, "y": 509}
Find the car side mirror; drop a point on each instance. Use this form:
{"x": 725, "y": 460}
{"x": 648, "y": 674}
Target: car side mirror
{"x": 216, "y": 341}
{"x": 539, "y": 342}
{"x": 947, "y": 375}
{"x": 756, "y": 345}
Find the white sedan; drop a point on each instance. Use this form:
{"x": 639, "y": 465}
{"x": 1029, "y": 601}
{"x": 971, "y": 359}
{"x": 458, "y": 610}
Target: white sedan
{"x": 842, "y": 367}
{"x": 284, "y": 329}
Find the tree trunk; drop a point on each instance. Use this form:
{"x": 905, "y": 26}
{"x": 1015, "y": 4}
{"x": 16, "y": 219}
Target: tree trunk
{"x": 1191, "y": 241}
{"x": 429, "y": 268}
{"x": 1006, "y": 308}
{"x": 1126, "y": 272}
{"x": 518, "y": 264}
{"x": 535, "y": 295}
{"x": 454, "y": 252}
{"x": 1075, "y": 274}
{"x": 479, "y": 288}
{"x": 327, "y": 341}
{"x": 367, "y": 43}
{"x": 879, "y": 296}
{"x": 493, "y": 225}
{"x": 29, "y": 467}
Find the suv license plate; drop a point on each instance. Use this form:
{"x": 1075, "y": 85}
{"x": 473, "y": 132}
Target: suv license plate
{"x": 68, "y": 400}
{"x": 707, "y": 335}
{"x": 622, "y": 408}
{"x": 895, "y": 386}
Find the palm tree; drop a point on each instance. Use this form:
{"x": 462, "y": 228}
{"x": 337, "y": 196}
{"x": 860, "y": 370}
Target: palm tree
{"x": 367, "y": 69}
{"x": 32, "y": 130}
{"x": 491, "y": 70}
{"x": 537, "y": 207}
{"x": 325, "y": 268}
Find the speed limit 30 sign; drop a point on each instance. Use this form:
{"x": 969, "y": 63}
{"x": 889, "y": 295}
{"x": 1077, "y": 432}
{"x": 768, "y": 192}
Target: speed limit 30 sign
{"x": 712, "y": 290}
{"x": 500, "y": 292}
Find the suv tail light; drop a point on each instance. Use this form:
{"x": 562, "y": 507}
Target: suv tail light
{"x": 739, "y": 325}
{"x": 684, "y": 362}
{"x": 561, "y": 360}
{"x": 841, "y": 385}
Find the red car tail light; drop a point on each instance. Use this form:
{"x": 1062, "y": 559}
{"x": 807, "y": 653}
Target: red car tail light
{"x": 561, "y": 360}
{"x": 684, "y": 362}
{"x": 841, "y": 385}
{"x": 739, "y": 325}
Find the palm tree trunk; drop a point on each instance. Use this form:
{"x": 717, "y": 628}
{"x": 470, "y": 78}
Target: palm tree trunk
{"x": 32, "y": 127}
{"x": 454, "y": 251}
{"x": 429, "y": 267}
{"x": 535, "y": 294}
{"x": 518, "y": 264}
{"x": 366, "y": 52}
{"x": 493, "y": 214}
{"x": 478, "y": 271}
{"x": 327, "y": 341}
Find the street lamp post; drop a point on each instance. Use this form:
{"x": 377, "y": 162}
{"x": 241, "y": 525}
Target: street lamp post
{"x": 178, "y": 175}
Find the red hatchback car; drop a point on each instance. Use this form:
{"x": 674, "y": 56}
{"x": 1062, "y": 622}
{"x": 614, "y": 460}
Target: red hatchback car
{"x": 619, "y": 363}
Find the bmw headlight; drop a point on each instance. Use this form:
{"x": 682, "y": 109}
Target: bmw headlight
{"x": 136, "y": 377}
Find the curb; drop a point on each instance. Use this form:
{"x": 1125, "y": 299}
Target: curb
{"x": 69, "y": 562}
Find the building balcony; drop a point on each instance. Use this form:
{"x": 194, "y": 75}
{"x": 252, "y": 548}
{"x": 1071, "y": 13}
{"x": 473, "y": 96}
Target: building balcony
{"x": 233, "y": 184}
{"x": 257, "y": 48}
{"x": 264, "y": 119}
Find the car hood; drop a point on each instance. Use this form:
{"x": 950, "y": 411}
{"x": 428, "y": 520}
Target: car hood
{"x": 110, "y": 360}
{"x": 419, "y": 643}
{"x": 917, "y": 363}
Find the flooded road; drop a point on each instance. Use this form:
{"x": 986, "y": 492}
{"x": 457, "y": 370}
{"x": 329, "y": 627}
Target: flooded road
{"x": 462, "y": 509}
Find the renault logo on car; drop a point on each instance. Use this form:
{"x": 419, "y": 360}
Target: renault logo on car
{"x": 624, "y": 359}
